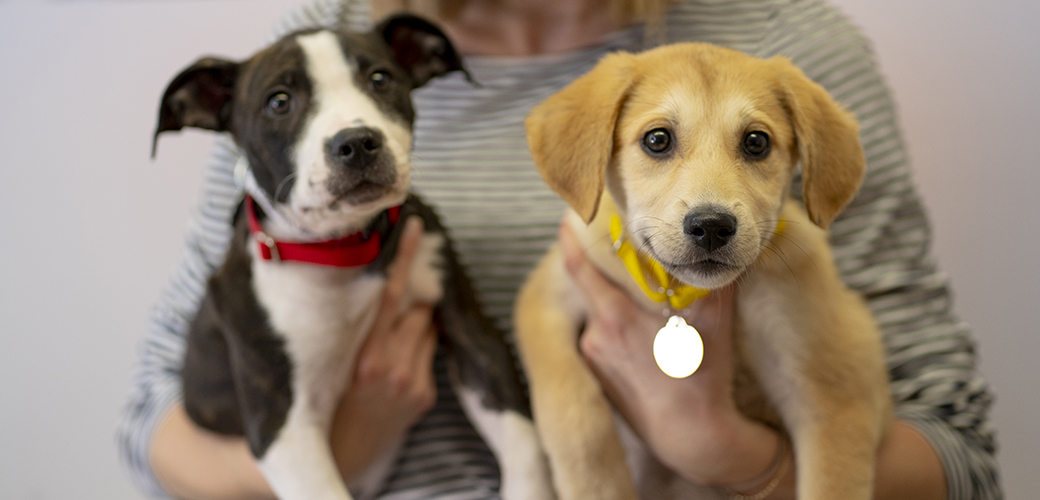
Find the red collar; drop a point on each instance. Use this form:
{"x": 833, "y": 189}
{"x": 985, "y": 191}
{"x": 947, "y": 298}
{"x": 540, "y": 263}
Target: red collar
{"x": 358, "y": 249}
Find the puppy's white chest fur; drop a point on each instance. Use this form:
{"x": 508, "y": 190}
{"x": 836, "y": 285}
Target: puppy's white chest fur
{"x": 324, "y": 313}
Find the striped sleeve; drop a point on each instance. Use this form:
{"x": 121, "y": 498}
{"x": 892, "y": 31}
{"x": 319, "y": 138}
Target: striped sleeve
{"x": 881, "y": 244}
{"x": 156, "y": 385}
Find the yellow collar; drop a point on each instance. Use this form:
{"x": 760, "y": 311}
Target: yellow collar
{"x": 678, "y": 295}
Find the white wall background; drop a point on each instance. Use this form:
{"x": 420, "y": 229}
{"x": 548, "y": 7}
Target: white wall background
{"x": 967, "y": 77}
{"x": 90, "y": 227}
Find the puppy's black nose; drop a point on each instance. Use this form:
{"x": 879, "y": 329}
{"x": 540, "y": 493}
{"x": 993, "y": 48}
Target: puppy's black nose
{"x": 710, "y": 229}
{"x": 356, "y": 148}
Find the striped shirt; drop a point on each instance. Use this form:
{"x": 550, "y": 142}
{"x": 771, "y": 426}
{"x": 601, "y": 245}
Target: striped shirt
{"x": 471, "y": 162}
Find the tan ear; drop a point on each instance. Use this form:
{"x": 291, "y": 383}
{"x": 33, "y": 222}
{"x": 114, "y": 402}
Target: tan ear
{"x": 828, "y": 144}
{"x": 571, "y": 134}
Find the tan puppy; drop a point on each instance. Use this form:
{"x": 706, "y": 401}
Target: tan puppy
{"x": 694, "y": 148}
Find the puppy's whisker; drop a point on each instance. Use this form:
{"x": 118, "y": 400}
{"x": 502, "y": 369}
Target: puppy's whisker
{"x": 770, "y": 224}
{"x": 413, "y": 159}
{"x": 635, "y": 230}
{"x": 739, "y": 282}
{"x": 640, "y": 228}
{"x": 779, "y": 253}
{"x": 645, "y": 244}
{"x": 648, "y": 217}
{"x": 282, "y": 184}
{"x": 776, "y": 222}
{"x": 799, "y": 247}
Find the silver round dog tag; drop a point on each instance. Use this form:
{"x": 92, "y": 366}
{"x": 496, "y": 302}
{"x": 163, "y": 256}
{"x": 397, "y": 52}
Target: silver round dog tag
{"x": 678, "y": 348}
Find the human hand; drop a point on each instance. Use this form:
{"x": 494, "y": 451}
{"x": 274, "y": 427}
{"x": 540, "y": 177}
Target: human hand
{"x": 393, "y": 384}
{"x": 692, "y": 425}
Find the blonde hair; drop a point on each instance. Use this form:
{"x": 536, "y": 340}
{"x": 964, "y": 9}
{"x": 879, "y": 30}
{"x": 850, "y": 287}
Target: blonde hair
{"x": 625, "y": 12}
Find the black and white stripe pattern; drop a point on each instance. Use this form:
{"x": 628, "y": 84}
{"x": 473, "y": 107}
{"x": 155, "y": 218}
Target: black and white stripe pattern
{"x": 471, "y": 162}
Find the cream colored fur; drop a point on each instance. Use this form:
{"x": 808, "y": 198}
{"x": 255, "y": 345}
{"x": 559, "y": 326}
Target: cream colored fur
{"x": 810, "y": 360}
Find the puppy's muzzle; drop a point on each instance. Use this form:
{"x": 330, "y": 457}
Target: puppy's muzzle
{"x": 710, "y": 229}
{"x": 356, "y": 149}
{"x": 362, "y": 167}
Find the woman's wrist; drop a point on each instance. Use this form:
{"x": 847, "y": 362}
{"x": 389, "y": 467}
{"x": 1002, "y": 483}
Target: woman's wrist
{"x": 753, "y": 452}
{"x": 735, "y": 451}
{"x": 191, "y": 462}
{"x": 761, "y": 486}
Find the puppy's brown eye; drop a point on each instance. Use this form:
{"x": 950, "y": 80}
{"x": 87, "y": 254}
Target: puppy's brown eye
{"x": 756, "y": 145}
{"x": 657, "y": 141}
{"x": 279, "y": 104}
{"x": 380, "y": 80}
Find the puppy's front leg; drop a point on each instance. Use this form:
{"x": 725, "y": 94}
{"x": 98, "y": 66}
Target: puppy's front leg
{"x": 571, "y": 413}
{"x": 818, "y": 355}
{"x": 289, "y": 440}
{"x": 514, "y": 441}
{"x": 846, "y": 406}
{"x": 833, "y": 415}
{"x": 299, "y": 463}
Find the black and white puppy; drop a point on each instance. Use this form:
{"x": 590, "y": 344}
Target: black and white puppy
{"x": 324, "y": 120}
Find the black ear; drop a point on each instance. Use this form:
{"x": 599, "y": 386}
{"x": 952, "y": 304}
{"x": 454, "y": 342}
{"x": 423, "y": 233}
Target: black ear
{"x": 198, "y": 97}
{"x": 420, "y": 48}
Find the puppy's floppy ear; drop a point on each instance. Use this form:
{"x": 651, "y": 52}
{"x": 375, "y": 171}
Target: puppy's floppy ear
{"x": 420, "y": 48}
{"x": 200, "y": 96}
{"x": 828, "y": 144}
{"x": 571, "y": 134}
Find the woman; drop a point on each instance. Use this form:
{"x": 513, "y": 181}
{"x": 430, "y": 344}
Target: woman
{"x": 471, "y": 162}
